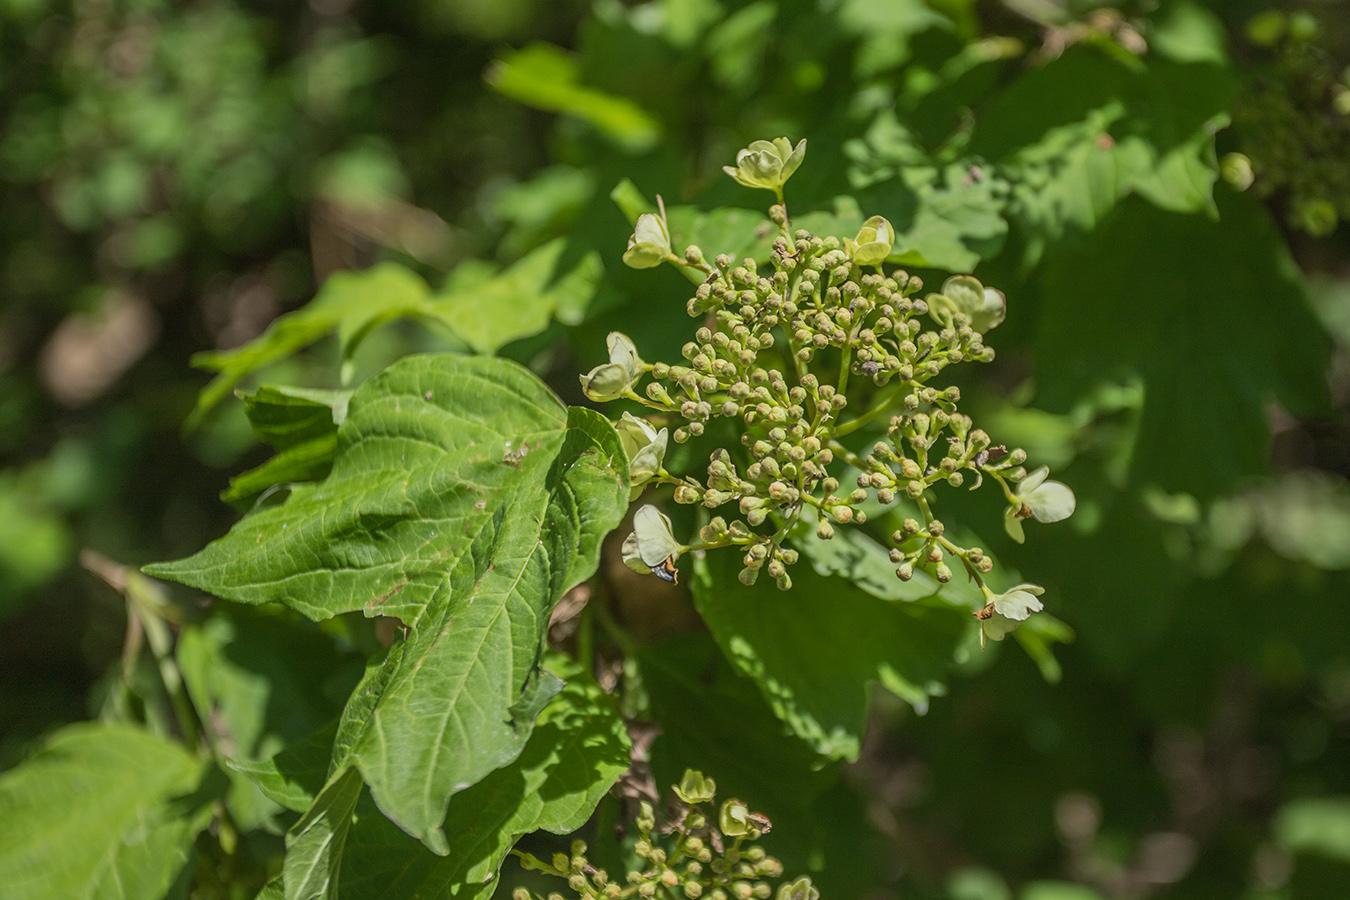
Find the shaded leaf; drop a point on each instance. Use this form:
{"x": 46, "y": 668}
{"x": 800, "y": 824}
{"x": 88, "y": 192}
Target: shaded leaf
{"x": 816, "y": 649}
{"x": 101, "y": 811}
{"x": 1215, "y": 322}
{"x": 314, "y": 844}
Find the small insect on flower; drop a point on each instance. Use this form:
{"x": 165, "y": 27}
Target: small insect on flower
{"x": 666, "y": 571}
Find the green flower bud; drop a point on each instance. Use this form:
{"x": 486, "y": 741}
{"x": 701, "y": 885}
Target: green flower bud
{"x": 767, "y": 164}
{"x": 801, "y": 889}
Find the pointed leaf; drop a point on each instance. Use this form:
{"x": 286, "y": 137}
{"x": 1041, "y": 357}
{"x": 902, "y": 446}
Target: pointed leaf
{"x": 432, "y": 449}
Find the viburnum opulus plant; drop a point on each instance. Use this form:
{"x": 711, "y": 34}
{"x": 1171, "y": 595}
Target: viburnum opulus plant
{"x": 823, "y": 343}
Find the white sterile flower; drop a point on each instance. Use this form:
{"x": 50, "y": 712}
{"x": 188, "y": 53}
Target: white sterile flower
{"x": 612, "y": 380}
{"x": 983, "y": 307}
{"x": 652, "y": 547}
{"x": 767, "y": 164}
{"x": 1045, "y": 501}
{"x": 649, "y": 244}
{"x": 646, "y": 449}
{"x": 1007, "y": 609}
{"x": 873, "y": 243}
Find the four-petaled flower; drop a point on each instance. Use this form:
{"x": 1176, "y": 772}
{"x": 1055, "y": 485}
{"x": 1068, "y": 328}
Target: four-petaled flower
{"x": 649, "y": 244}
{"x": 652, "y": 547}
{"x": 646, "y": 449}
{"x": 616, "y": 377}
{"x": 1045, "y": 501}
{"x": 873, "y": 243}
{"x": 767, "y": 164}
{"x": 1006, "y": 610}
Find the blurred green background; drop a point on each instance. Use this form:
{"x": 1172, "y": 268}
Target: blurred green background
{"x": 1159, "y": 187}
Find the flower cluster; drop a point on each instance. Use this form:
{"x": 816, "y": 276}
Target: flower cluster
{"x": 821, "y": 343}
{"x": 702, "y": 855}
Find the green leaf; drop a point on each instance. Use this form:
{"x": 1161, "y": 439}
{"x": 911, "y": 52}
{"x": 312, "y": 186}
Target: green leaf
{"x": 268, "y": 681}
{"x": 814, "y": 650}
{"x": 1087, "y": 130}
{"x": 302, "y": 424}
{"x": 547, "y": 77}
{"x": 488, "y": 312}
{"x": 578, "y": 749}
{"x": 283, "y": 416}
{"x": 101, "y": 811}
{"x": 298, "y": 463}
{"x": 1215, "y": 321}
{"x": 465, "y": 503}
{"x": 350, "y": 303}
{"x": 1315, "y": 825}
{"x": 295, "y": 775}
{"x": 432, "y": 450}
{"x": 314, "y": 844}
{"x": 715, "y": 719}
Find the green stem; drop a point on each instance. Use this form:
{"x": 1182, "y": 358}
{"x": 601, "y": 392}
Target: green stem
{"x": 854, "y": 424}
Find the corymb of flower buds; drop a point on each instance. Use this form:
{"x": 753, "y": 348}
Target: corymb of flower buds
{"x": 795, "y": 352}
{"x": 767, "y": 164}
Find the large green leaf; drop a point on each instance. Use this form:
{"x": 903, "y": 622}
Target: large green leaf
{"x": 716, "y": 720}
{"x": 1215, "y": 321}
{"x": 578, "y": 749}
{"x": 816, "y": 649}
{"x": 463, "y": 500}
{"x": 101, "y": 811}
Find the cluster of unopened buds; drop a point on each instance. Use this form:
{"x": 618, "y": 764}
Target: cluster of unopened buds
{"x": 820, "y": 344}
{"x": 708, "y": 855}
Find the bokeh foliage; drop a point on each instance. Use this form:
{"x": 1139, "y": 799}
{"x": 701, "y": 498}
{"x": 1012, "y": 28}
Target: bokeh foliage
{"x": 176, "y": 176}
